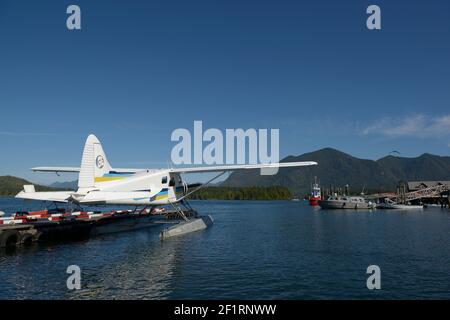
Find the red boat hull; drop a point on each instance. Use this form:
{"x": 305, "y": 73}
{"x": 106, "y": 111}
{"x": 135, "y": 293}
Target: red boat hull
{"x": 314, "y": 201}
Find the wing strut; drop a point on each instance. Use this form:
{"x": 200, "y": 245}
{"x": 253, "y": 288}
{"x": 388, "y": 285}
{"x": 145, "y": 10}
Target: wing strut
{"x": 201, "y": 186}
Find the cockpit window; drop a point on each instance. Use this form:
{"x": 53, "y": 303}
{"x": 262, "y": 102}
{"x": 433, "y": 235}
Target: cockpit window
{"x": 164, "y": 180}
{"x": 172, "y": 182}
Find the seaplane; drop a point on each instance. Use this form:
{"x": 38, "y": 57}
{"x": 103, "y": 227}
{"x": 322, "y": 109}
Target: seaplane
{"x": 101, "y": 184}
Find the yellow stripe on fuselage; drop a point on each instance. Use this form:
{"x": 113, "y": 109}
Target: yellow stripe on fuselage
{"x": 163, "y": 196}
{"x": 106, "y": 179}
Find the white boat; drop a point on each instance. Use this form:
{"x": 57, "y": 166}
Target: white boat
{"x": 345, "y": 202}
{"x": 433, "y": 205}
{"x": 389, "y": 204}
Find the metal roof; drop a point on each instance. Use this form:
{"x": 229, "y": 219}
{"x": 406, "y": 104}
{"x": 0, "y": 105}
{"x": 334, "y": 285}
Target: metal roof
{"x": 416, "y": 185}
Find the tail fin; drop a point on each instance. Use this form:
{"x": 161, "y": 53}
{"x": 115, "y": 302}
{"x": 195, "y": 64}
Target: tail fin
{"x": 93, "y": 164}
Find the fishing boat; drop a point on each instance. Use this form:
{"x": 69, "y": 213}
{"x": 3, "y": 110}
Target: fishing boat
{"x": 389, "y": 204}
{"x": 346, "y": 202}
{"x": 315, "y": 194}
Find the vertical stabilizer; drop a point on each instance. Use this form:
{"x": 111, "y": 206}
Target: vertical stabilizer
{"x": 93, "y": 163}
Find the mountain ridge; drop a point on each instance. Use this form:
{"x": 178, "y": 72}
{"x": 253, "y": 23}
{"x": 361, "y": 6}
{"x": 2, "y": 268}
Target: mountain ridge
{"x": 72, "y": 185}
{"x": 10, "y": 185}
{"x": 337, "y": 168}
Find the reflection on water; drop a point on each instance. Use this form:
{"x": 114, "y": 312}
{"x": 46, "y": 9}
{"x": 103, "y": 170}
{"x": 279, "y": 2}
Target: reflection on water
{"x": 141, "y": 273}
{"x": 254, "y": 250}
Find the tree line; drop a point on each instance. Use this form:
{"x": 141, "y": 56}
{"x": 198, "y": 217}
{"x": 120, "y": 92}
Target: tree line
{"x": 242, "y": 193}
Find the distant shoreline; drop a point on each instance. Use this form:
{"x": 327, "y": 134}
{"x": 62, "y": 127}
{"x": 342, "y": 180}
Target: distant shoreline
{"x": 250, "y": 200}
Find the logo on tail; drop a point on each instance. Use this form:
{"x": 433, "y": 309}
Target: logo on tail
{"x": 100, "y": 161}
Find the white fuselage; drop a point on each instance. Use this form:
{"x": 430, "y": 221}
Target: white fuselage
{"x": 157, "y": 187}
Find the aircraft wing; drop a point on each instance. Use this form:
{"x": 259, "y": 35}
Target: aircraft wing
{"x": 243, "y": 167}
{"x": 77, "y": 169}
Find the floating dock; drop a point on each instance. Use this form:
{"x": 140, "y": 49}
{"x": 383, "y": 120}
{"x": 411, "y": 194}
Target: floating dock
{"x": 24, "y": 228}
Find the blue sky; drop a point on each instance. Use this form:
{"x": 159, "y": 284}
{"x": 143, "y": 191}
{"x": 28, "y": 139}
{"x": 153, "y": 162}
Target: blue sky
{"x": 140, "y": 69}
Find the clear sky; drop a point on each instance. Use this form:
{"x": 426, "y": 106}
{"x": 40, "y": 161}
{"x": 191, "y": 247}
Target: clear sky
{"x": 140, "y": 69}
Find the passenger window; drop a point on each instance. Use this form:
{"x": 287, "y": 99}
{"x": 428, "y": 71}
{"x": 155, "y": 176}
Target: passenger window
{"x": 164, "y": 180}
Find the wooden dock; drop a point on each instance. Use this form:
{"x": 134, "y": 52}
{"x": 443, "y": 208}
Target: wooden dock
{"x": 27, "y": 228}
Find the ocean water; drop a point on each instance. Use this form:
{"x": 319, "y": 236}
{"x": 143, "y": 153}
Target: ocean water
{"x": 254, "y": 250}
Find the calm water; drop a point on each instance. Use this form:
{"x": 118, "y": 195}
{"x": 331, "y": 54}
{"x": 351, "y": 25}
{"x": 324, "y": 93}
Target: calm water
{"x": 255, "y": 250}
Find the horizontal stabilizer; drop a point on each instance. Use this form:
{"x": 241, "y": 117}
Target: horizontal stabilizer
{"x": 54, "y": 196}
{"x": 56, "y": 169}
